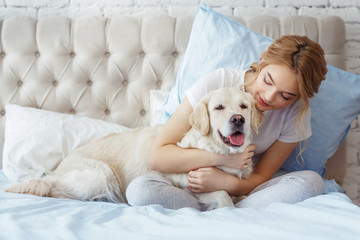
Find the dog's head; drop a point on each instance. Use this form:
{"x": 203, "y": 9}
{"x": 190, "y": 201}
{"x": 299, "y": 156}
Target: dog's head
{"x": 228, "y": 114}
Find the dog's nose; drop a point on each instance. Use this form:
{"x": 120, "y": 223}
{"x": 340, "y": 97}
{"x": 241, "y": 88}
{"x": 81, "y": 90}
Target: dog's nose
{"x": 237, "y": 120}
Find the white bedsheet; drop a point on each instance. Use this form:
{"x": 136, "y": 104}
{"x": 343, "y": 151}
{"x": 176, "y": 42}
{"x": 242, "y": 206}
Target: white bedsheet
{"x": 329, "y": 216}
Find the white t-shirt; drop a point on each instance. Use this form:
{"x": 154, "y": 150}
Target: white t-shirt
{"x": 277, "y": 124}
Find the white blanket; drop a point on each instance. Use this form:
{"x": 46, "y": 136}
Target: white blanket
{"x": 329, "y": 216}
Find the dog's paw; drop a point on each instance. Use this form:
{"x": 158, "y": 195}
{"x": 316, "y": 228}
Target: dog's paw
{"x": 216, "y": 199}
{"x": 225, "y": 201}
{"x": 35, "y": 187}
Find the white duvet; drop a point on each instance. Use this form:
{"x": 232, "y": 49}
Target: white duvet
{"x": 329, "y": 216}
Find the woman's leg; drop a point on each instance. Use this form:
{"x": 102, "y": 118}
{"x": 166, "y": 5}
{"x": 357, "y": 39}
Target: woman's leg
{"x": 291, "y": 187}
{"x": 147, "y": 190}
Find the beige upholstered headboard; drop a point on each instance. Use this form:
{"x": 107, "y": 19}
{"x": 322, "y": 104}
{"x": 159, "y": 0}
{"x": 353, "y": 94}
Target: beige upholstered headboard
{"x": 104, "y": 68}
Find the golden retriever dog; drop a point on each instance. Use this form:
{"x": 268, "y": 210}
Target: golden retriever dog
{"x": 102, "y": 169}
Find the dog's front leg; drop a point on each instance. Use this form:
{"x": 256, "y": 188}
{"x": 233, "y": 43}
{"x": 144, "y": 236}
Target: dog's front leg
{"x": 216, "y": 199}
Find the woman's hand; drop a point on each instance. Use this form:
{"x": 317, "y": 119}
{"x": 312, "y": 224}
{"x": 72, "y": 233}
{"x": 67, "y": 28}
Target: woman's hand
{"x": 240, "y": 160}
{"x": 208, "y": 179}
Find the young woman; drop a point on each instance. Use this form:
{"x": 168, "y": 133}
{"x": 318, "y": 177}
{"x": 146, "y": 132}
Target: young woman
{"x": 288, "y": 74}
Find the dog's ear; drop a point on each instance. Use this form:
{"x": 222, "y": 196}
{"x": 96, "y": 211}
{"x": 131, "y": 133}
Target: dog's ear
{"x": 256, "y": 117}
{"x": 199, "y": 118}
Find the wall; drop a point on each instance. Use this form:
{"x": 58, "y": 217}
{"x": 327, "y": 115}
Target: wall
{"x": 348, "y": 10}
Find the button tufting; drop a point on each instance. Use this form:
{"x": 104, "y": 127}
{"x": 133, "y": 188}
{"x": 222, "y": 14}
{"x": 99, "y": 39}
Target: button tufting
{"x": 2, "y": 112}
{"x": 175, "y": 54}
{"x": 72, "y": 111}
{"x": 107, "y": 111}
{"x": 142, "y": 112}
{"x": 107, "y": 54}
{"x": 37, "y": 54}
{"x": 19, "y": 83}
{"x": 158, "y": 83}
{"x": 89, "y": 82}
{"x": 142, "y": 54}
{"x": 3, "y": 54}
{"x": 72, "y": 54}
{"x": 125, "y": 82}
{"x": 55, "y": 83}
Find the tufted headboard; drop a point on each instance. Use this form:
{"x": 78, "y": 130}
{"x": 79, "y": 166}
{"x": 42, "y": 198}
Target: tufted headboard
{"x": 104, "y": 68}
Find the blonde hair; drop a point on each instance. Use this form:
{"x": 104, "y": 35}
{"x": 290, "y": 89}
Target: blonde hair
{"x": 302, "y": 55}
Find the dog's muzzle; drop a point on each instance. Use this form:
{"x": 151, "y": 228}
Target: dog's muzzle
{"x": 236, "y": 139}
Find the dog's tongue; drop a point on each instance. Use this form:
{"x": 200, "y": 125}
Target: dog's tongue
{"x": 237, "y": 139}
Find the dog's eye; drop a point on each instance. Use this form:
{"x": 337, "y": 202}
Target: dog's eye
{"x": 219, "y": 107}
{"x": 243, "y": 106}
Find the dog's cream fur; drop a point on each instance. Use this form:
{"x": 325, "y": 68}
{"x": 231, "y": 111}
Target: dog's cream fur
{"x": 102, "y": 169}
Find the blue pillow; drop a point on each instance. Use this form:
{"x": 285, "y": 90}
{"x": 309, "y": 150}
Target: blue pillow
{"x": 333, "y": 109}
{"x": 217, "y": 41}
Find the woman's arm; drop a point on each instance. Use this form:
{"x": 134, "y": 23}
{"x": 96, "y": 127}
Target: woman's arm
{"x": 213, "y": 179}
{"x": 166, "y": 156}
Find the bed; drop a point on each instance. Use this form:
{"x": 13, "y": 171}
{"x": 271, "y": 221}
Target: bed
{"x": 64, "y": 82}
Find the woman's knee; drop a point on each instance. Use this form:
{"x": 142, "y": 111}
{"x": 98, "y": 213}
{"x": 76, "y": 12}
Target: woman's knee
{"x": 310, "y": 181}
{"x": 140, "y": 191}
{"x": 289, "y": 188}
{"x": 148, "y": 190}
{"x": 313, "y": 181}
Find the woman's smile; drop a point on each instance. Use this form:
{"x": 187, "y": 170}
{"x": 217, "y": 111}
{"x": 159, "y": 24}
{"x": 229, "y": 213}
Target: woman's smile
{"x": 263, "y": 103}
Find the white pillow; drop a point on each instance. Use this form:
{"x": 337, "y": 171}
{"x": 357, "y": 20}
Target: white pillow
{"x": 37, "y": 140}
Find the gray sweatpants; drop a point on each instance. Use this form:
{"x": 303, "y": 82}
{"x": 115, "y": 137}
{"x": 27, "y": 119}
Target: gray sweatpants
{"x": 284, "y": 187}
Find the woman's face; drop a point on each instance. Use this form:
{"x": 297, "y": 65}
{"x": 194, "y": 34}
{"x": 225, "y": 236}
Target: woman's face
{"x": 275, "y": 88}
